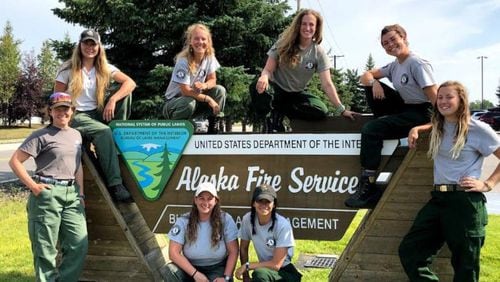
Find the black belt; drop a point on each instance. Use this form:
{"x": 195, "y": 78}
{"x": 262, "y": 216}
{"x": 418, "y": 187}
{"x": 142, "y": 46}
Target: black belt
{"x": 449, "y": 188}
{"x": 49, "y": 180}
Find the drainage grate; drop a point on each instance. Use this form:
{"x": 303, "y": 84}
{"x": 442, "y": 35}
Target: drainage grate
{"x": 321, "y": 261}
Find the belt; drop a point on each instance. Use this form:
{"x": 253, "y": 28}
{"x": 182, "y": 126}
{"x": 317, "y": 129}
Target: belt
{"x": 448, "y": 188}
{"x": 50, "y": 180}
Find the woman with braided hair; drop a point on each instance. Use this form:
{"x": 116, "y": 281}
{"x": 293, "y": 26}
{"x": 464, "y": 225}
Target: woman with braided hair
{"x": 272, "y": 238}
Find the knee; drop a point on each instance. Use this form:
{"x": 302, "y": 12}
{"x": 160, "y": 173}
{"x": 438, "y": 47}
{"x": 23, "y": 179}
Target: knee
{"x": 220, "y": 91}
{"x": 260, "y": 274}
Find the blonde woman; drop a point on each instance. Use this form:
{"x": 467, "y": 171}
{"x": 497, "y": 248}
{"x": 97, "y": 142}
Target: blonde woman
{"x": 193, "y": 89}
{"x": 456, "y": 213}
{"x": 290, "y": 65}
{"x": 86, "y": 76}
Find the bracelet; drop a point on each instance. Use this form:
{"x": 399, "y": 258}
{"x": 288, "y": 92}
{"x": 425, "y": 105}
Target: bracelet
{"x": 488, "y": 186}
{"x": 341, "y": 108}
{"x": 194, "y": 273}
{"x": 81, "y": 196}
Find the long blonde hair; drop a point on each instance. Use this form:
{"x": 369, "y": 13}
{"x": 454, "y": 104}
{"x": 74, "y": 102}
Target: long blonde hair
{"x": 289, "y": 40}
{"x": 103, "y": 75}
{"x": 462, "y": 128}
{"x": 188, "y": 52}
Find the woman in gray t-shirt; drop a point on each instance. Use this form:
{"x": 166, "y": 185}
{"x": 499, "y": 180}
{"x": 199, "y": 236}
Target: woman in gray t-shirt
{"x": 456, "y": 213}
{"x": 203, "y": 243}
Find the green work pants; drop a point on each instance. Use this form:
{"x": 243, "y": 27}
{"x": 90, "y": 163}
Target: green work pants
{"x": 294, "y": 105}
{"x": 184, "y": 107}
{"x": 286, "y": 274}
{"x": 57, "y": 214}
{"x": 94, "y": 129}
{"x": 455, "y": 218}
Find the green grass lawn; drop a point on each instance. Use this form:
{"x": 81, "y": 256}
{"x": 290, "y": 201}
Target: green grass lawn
{"x": 16, "y": 259}
{"x": 17, "y": 132}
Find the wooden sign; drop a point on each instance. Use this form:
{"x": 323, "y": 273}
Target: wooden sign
{"x": 312, "y": 173}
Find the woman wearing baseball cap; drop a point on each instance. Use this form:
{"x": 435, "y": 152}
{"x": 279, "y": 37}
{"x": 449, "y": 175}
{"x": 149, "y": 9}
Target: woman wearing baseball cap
{"x": 55, "y": 204}
{"x": 204, "y": 242}
{"x": 86, "y": 77}
{"x": 272, "y": 238}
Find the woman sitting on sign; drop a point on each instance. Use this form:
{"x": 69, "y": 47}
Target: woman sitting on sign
{"x": 193, "y": 89}
{"x": 272, "y": 238}
{"x": 203, "y": 243}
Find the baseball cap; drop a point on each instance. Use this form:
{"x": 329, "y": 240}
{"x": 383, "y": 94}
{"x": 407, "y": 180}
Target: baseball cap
{"x": 60, "y": 99}
{"x": 90, "y": 34}
{"x": 206, "y": 187}
{"x": 264, "y": 191}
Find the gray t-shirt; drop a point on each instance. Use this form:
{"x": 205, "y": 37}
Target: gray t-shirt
{"x": 57, "y": 152}
{"x": 201, "y": 252}
{"x": 481, "y": 141}
{"x": 87, "y": 100}
{"x": 182, "y": 75}
{"x": 312, "y": 59}
{"x": 410, "y": 78}
{"x": 265, "y": 241}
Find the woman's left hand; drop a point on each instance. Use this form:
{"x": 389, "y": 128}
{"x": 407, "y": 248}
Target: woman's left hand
{"x": 474, "y": 185}
{"x": 350, "y": 114}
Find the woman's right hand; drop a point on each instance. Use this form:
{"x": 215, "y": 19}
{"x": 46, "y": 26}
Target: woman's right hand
{"x": 38, "y": 188}
{"x": 262, "y": 84}
{"x": 200, "y": 277}
{"x": 378, "y": 91}
{"x": 412, "y": 138}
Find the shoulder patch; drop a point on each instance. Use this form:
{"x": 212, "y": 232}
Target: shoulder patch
{"x": 180, "y": 74}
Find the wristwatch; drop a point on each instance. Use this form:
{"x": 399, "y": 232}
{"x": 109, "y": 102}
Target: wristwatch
{"x": 228, "y": 278}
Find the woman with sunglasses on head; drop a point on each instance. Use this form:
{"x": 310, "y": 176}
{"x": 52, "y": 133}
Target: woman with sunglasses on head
{"x": 56, "y": 216}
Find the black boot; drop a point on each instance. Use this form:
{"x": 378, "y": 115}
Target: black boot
{"x": 274, "y": 122}
{"x": 212, "y": 125}
{"x": 120, "y": 194}
{"x": 366, "y": 196}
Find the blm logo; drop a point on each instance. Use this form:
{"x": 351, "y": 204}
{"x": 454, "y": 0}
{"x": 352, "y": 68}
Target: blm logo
{"x": 151, "y": 150}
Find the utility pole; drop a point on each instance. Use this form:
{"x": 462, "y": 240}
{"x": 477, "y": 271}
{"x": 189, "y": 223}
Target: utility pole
{"x": 482, "y": 88}
{"x": 298, "y": 5}
{"x": 335, "y": 60}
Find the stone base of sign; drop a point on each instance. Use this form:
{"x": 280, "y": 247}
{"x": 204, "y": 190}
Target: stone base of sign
{"x": 372, "y": 252}
{"x": 121, "y": 245}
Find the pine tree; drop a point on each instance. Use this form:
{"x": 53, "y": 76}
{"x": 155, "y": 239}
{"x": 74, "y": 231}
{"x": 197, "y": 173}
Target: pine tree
{"x": 9, "y": 69}
{"x": 47, "y": 68}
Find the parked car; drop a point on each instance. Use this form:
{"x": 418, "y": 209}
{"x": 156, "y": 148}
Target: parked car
{"x": 477, "y": 114}
{"x": 492, "y": 118}
{"x": 201, "y": 125}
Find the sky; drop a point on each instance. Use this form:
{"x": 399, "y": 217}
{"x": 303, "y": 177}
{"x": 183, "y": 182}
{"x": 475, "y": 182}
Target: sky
{"x": 451, "y": 34}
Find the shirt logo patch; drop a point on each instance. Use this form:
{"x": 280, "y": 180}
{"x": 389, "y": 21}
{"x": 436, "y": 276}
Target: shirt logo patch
{"x": 404, "y": 79}
{"x": 309, "y": 66}
{"x": 175, "y": 230}
{"x": 202, "y": 73}
{"x": 270, "y": 243}
{"x": 181, "y": 74}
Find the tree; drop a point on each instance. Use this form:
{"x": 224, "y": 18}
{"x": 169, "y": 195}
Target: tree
{"x": 139, "y": 35}
{"x": 9, "y": 68}
{"x": 27, "y": 99}
{"x": 476, "y": 105}
{"x": 47, "y": 68}
{"x": 370, "y": 63}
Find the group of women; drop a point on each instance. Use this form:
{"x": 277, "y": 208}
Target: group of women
{"x": 203, "y": 243}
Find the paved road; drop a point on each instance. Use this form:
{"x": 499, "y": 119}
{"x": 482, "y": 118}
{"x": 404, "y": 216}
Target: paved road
{"x": 6, "y": 174}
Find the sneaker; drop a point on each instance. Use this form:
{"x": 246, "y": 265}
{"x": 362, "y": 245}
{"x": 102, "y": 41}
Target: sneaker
{"x": 367, "y": 195}
{"x": 120, "y": 194}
